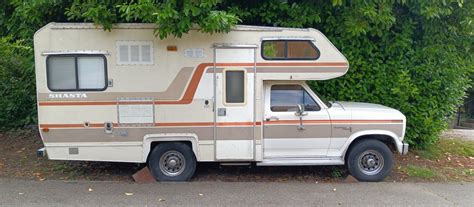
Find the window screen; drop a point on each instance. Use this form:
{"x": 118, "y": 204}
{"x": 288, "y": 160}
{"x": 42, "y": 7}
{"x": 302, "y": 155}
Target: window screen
{"x": 289, "y": 50}
{"x": 287, "y": 97}
{"x": 235, "y": 86}
{"x": 91, "y": 73}
{"x": 75, "y": 73}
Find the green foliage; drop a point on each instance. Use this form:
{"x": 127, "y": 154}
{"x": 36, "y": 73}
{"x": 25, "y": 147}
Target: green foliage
{"x": 21, "y": 18}
{"x": 17, "y": 84}
{"x": 421, "y": 172}
{"x": 447, "y": 147}
{"x": 415, "y": 56}
{"x": 337, "y": 172}
{"x": 172, "y": 17}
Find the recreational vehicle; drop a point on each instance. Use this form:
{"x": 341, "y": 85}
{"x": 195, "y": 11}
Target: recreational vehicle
{"x": 127, "y": 96}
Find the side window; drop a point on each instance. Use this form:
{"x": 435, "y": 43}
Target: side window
{"x": 234, "y": 86}
{"x": 301, "y": 50}
{"x": 289, "y": 50}
{"x": 274, "y": 49}
{"x": 76, "y": 73}
{"x": 285, "y": 98}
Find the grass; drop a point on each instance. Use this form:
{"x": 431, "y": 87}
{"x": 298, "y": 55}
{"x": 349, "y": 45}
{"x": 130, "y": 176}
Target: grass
{"x": 336, "y": 172}
{"x": 469, "y": 172}
{"x": 447, "y": 146}
{"x": 421, "y": 172}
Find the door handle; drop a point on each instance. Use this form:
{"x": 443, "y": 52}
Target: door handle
{"x": 274, "y": 118}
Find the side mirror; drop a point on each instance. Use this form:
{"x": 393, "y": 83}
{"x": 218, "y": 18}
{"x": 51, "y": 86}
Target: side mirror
{"x": 300, "y": 110}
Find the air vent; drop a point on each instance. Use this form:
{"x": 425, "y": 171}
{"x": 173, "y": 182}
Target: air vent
{"x": 134, "y": 52}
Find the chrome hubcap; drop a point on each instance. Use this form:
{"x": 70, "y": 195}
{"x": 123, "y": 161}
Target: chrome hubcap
{"x": 370, "y": 162}
{"x": 172, "y": 163}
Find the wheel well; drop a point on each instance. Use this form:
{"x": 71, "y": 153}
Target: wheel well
{"x": 386, "y": 139}
{"x": 156, "y": 143}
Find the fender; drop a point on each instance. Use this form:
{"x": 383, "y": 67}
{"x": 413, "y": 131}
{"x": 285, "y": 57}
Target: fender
{"x": 356, "y": 135}
{"x": 168, "y": 137}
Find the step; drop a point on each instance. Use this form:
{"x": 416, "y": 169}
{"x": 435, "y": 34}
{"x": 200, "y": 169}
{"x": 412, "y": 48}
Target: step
{"x": 301, "y": 161}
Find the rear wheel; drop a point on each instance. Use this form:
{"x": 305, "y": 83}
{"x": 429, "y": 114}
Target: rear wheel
{"x": 173, "y": 161}
{"x": 370, "y": 160}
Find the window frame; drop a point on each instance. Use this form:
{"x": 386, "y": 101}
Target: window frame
{"x": 286, "y": 49}
{"x": 316, "y": 101}
{"x": 76, "y": 70}
{"x": 224, "y": 100}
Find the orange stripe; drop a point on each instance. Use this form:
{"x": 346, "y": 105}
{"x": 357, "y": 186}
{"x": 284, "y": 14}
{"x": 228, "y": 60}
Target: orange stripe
{"x": 192, "y": 87}
{"x": 96, "y": 125}
{"x": 332, "y": 121}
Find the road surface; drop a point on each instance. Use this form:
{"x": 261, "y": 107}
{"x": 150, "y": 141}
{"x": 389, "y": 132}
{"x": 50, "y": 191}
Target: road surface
{"x": 466, "y": 134}
{"x": 87, "y": 193}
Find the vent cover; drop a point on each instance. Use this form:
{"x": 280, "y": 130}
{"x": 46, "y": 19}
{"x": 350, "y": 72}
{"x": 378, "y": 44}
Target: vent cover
{"x": 135, "y": 52}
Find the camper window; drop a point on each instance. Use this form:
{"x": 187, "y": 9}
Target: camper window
{"x": 76, "y": 72}
{"x": 234, "y": 86}
{"x": 285, "y": 98}
{"x": 289, "y": 50}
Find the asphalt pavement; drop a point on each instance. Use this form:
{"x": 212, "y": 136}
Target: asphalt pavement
{"x": 93, "y": 193}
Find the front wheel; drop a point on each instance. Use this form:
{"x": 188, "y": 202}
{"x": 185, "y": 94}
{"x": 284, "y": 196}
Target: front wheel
{"x": 370, "y": 160}
{"x": 173, "y": 161}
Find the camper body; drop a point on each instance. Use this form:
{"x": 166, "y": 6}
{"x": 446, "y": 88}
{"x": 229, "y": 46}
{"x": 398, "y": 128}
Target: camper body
{"x": 240, "y": 97}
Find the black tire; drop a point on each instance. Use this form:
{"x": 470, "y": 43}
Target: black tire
{"x": 177, "y": 151}
{"x": 369, "y": 160}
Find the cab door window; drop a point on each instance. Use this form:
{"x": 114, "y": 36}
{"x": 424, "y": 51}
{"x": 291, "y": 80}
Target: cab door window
{"x": 285, "y": 98}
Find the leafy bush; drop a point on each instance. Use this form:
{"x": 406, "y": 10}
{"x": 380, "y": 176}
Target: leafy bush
{"x": 17, "y": 84}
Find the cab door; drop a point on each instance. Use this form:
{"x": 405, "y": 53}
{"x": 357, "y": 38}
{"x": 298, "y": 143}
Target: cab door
{"x": 289, "y": 134}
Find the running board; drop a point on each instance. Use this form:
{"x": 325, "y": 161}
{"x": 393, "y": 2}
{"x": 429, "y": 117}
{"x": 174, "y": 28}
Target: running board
{"x": 300, "y": 161}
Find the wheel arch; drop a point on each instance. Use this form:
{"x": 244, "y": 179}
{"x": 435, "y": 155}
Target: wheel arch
{"x": 387, "y": 137}
{"x": 151, "y": 140}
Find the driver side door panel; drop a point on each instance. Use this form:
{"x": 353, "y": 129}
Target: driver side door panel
{"x": 285, "y": 136}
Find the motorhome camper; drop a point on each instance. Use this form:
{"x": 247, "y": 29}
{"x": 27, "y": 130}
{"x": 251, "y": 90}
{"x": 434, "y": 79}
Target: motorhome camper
{"x": 127, "y": 96}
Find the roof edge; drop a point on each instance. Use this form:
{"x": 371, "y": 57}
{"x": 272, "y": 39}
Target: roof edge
{"x": 73, "y": 25}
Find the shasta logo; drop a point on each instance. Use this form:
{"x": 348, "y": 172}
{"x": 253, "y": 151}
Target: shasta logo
{"x": 67, "y": 95}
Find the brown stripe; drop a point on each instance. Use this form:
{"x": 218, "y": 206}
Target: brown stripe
{"x": 137, "y": 134}
{"x": 192, "y": 87}
{"x": 291, "y": 131}
{"x": 229, "y": 123}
